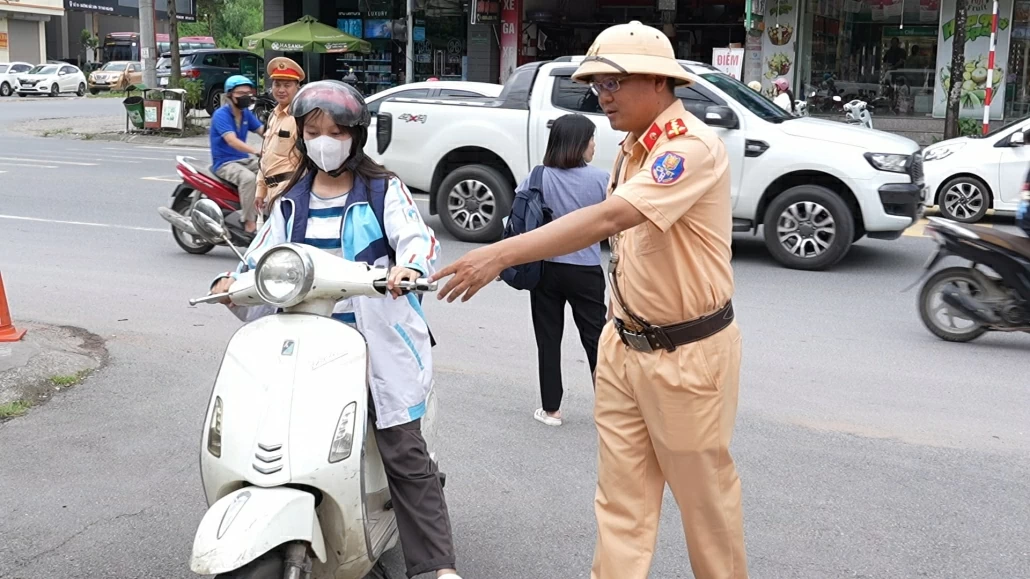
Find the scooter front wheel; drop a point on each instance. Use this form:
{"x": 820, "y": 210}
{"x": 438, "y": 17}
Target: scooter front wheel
{"x": 186, "y": 241}
{"x": 268, "y": 566}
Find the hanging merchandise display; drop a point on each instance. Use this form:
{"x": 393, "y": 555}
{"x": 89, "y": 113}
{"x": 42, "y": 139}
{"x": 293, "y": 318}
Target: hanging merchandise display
{"x": 779, "y": 43}
{"x": 975, "y": 75}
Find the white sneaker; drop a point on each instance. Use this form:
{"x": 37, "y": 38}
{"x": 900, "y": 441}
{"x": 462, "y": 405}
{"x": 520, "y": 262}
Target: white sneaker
{"x": 449, "y": 576}
{"x": 542, "y": 416}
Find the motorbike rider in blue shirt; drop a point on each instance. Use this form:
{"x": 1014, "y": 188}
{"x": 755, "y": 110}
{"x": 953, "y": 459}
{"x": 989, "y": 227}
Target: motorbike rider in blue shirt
{"x": 230, "y": 154}
{"x": 342, "y": 202}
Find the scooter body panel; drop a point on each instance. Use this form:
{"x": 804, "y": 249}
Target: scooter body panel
{"x": 248, "y": 523}
{"x": 284, "y": 383}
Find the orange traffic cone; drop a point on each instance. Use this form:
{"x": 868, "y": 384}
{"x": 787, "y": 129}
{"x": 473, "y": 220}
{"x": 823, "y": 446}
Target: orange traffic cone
{"x": 8, "y": 333}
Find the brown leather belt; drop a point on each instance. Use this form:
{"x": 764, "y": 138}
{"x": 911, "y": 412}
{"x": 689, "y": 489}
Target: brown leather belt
{"x": 276, "y": 179}
{"x": 669, "y": 337}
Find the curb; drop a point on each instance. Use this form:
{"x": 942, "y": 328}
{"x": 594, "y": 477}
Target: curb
{"x": 49, "y": 360}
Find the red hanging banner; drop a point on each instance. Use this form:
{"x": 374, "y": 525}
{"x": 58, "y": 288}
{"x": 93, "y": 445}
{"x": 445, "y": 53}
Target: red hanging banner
{"x": 511, "y": 35}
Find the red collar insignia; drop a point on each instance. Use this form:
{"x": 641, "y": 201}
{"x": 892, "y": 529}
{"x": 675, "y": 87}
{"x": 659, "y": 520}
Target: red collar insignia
{"x": 651, "y": 137}
{"x": 675, "y": 128}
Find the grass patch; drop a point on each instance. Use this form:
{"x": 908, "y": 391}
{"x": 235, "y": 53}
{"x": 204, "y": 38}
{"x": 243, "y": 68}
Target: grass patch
{"x": 12, "y": 409}
{"x": 70, "y": 380}
{"x": 49, "y": 133}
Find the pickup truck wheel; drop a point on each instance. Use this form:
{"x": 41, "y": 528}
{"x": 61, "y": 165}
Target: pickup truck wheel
{"x": 474, "y": 200}
{"x": 808, "y": 227}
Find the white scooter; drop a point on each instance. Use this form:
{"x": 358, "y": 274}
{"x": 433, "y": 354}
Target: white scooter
{"x": 857, "y": 113}
{"x": 289, "y": 462}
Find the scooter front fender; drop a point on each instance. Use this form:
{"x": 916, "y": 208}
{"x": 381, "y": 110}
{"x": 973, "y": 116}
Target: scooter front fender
{"x": 243, "y": 525}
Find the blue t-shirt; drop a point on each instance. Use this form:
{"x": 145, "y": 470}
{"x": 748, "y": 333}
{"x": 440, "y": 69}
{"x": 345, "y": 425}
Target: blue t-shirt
{"x": 567, "y": 190}
{"x": 223, "y": 122}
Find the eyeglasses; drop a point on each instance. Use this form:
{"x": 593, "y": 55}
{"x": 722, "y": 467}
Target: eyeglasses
{"x": 609, "y": 85}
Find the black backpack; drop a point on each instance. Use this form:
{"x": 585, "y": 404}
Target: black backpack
{"x": 528, "y": 211}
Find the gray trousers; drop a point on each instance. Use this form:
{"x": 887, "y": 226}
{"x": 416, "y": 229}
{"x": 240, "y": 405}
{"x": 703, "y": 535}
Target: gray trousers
{"x": 416, "y": 491}
{"x": 243, "y": 174}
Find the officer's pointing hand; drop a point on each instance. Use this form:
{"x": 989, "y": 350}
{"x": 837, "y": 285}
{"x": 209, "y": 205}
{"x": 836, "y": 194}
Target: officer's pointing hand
{"x": 471, "y": 273}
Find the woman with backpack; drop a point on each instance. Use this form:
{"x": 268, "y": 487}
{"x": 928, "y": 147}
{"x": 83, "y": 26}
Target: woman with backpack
{"x": 569, "y": 183}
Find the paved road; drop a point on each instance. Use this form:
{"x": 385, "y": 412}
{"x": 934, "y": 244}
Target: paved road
{"x": 867, "y": 447}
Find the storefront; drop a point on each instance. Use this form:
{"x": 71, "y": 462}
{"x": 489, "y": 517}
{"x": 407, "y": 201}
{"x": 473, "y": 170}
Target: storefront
{"x": 893, "y": 54}
{"x": 23, "y": 29}
{"x": 440, "y": 40}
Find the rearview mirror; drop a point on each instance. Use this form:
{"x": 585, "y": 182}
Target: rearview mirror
{"x": 1018, "y": 139}
{"x": 208, "y": 221}
{"x": 721, "y": 117}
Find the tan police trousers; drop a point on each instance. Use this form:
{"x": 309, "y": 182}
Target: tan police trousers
{"x": 668, "y": 417}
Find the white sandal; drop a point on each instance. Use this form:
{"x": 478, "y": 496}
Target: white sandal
{"x": 543, "y": 417}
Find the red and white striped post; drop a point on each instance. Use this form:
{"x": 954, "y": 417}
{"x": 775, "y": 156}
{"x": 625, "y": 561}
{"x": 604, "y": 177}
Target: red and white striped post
{"x": 990, "y": 70}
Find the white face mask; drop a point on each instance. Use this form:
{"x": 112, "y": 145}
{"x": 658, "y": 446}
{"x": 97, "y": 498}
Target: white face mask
{"x": 328, "y": 153}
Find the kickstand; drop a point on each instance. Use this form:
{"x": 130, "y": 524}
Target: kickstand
{"x": 378, "y": 572}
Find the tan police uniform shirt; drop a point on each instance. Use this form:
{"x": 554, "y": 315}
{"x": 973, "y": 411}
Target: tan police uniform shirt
{"x": 278, "y": 153}
{"x": 674, "y": 267}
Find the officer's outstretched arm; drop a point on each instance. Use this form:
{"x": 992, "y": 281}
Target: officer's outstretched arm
{"x": 575, "y": 231}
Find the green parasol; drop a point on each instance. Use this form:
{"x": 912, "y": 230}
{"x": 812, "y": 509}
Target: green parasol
{"x": 306, "y": 35}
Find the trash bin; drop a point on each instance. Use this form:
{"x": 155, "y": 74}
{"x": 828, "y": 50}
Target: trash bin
{"x": 152, "y": 109}
{"x": 172, "y": 108}
{"x": 134, "y": 110}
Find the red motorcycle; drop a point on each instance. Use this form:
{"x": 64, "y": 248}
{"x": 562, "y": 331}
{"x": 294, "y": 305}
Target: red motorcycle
{"x": 201, "y": 183}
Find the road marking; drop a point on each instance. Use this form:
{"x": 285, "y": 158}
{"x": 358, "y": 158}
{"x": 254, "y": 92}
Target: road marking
{"x": 60, "y": 222}
{"x": 165, "y": 179}
{"x": 173, "y": 149}
{"x": 29, "y": 166}
{"x": 49, "y": 161}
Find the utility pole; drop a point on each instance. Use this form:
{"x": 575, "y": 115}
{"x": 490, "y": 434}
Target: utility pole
{"x": 148, "y": 42}
{"x": 409, "y": 52}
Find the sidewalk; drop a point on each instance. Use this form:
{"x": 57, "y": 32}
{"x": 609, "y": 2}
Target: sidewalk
{"x": 112, "y": 128}
{"x": 47, "y": 360}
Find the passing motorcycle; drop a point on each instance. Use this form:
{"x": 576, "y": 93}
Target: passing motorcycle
{"x": 289, "y": 462}
{"x": 856, "y": 112}
{"x": 992, "y": 293}
{"x": 199, "y": 183}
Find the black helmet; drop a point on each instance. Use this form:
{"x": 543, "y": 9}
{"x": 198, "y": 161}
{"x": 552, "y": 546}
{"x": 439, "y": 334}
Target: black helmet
{"x": 342, "y": 102}
{"x": 345, "y": 105}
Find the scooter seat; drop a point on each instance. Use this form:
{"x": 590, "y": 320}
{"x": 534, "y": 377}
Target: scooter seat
{"x": 1014, "y": 243}
{"x": 207, "y": 172}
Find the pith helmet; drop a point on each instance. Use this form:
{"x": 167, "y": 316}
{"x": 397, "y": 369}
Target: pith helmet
{"x": 631, "y": 49}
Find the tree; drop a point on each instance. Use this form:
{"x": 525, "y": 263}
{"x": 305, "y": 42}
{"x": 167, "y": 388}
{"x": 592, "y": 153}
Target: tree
{"x": 958, "y": 66}
{"x": 173, "y": 44}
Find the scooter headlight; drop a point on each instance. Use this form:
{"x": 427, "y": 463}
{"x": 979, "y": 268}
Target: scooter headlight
{"x": 343, "y": 438}
{"x": 214, "y": 430}
{"x": 285, "y": 275}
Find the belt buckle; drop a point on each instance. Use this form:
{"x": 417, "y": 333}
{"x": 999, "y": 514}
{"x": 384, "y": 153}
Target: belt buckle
{"x": 636, "y": 340}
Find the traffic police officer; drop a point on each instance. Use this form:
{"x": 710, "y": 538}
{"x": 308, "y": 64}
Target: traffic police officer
{"x": 669, "y": 359}
{"x": 279, "y": 158}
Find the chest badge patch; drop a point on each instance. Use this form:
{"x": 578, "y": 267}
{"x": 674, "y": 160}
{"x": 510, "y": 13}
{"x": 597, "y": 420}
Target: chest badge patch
{"x": 667, "y": 168}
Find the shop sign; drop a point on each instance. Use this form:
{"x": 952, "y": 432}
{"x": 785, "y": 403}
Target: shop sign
{"x": 728, "y": 60}
{"x": 185, "y": 10}
{"x": 511, "y": 12}
{"x": 487, "y": 11}
{"x": 3, "y": 40}
{"x": 977, "y": 52}
{"x": 287, "y": 47}
{"x": 779, "y": 45}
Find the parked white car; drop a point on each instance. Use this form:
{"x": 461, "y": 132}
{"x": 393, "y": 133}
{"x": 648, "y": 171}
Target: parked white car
{"x": 815, "y": 186}
{"x": 53, "y": 80}
{"x": 9, "y": 76}
{"x": 969, "y": 175}
{"x": 434, "y": 89}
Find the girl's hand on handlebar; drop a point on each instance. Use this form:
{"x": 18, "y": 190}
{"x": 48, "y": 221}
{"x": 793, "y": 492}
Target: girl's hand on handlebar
{"x": 397, "y": 275}
{"x": 221, "y": 287}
